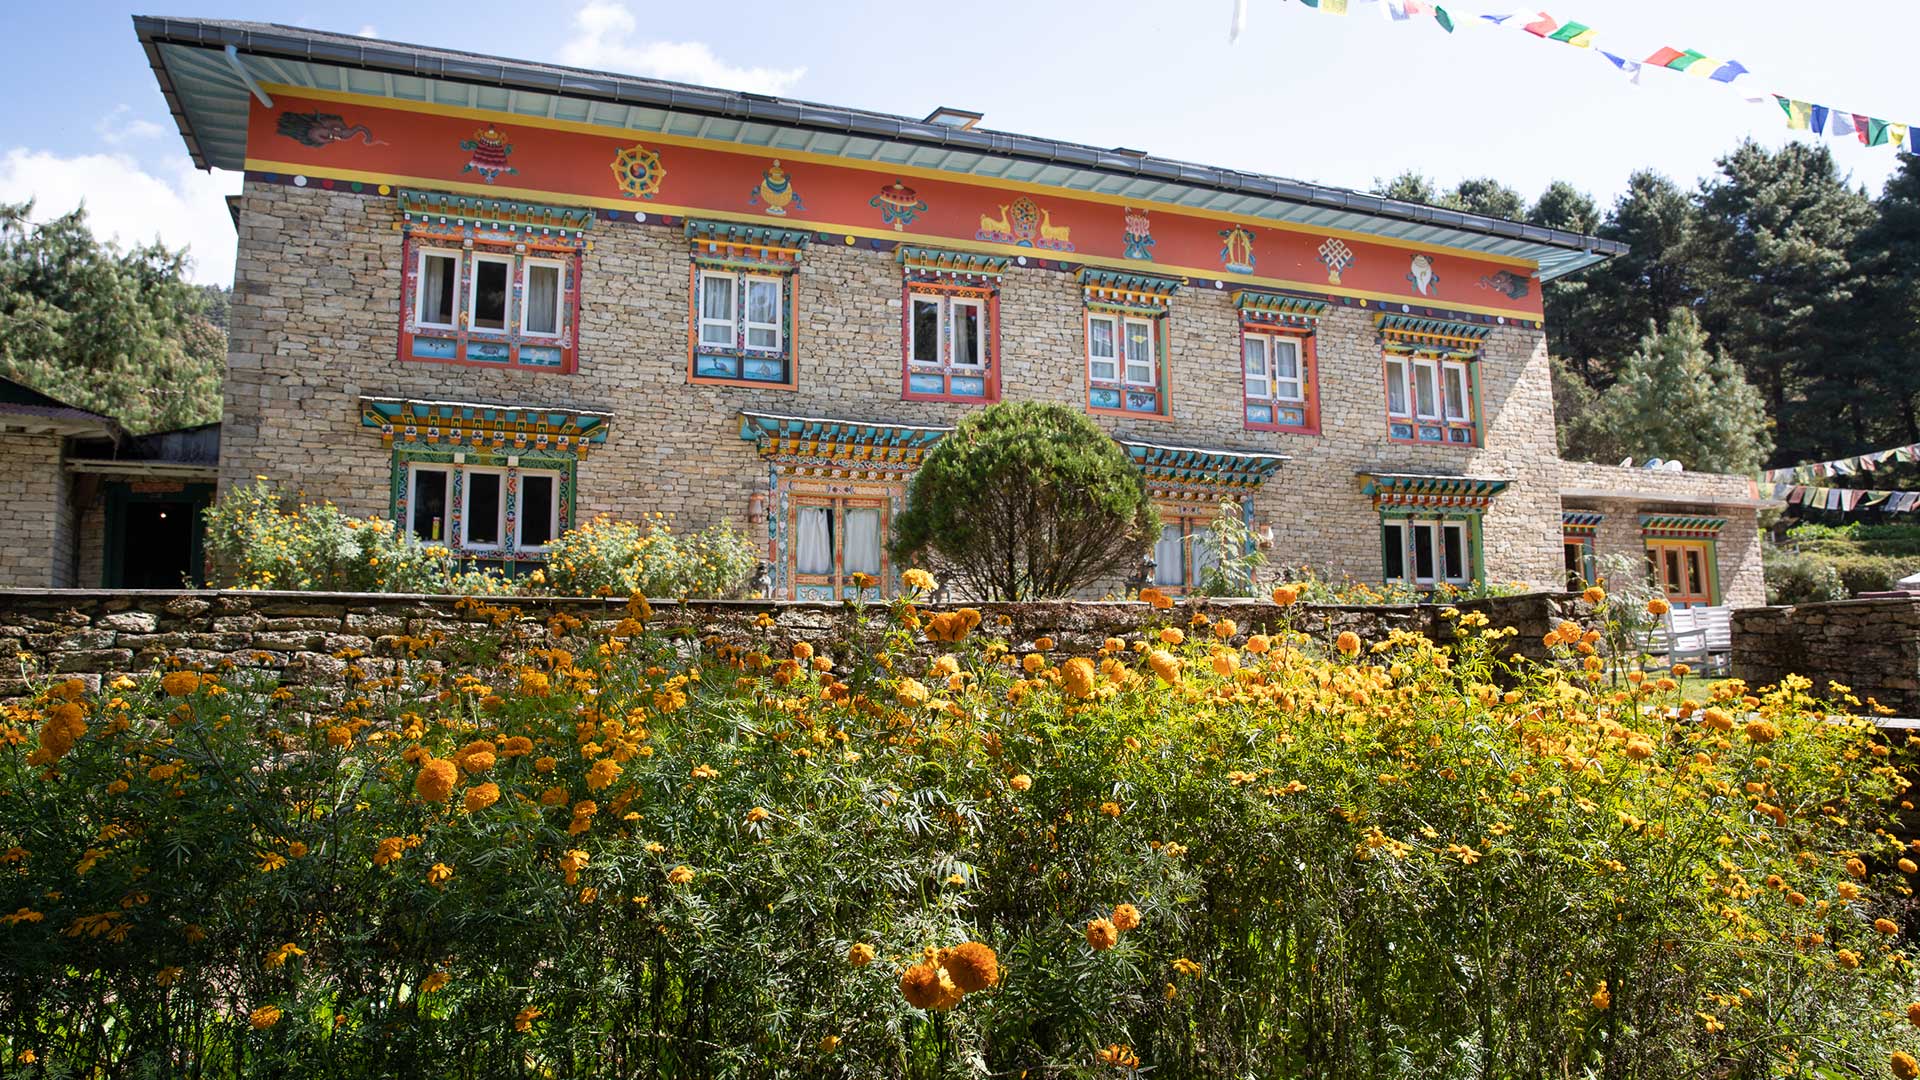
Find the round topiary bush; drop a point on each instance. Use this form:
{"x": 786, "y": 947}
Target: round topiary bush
{"x": 1026, "y": 500}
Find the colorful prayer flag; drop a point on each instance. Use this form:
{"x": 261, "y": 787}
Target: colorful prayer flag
{"x": 1799, "y": 113}
{"x": 1728, "y": 72}
{"x": 1445, "y": 20}
{"x": 1331, "y": 7}
{"x": 1839, "y": 122}
{"x": 1578, "y": 35}
{"x": 1539, "y": 24}
{"x": 1898, "y": 133}
{"x": 1629, "y": 68}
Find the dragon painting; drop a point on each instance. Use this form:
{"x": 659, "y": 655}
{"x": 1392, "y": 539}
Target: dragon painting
{"x": 321, "y": 129}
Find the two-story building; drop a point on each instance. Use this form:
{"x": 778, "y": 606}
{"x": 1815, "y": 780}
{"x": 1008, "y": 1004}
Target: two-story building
{"x": 492, "y": 298}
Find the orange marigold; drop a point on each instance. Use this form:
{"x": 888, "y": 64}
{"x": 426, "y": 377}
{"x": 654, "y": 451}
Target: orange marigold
{"x": 180, "y": 684}
{"x": 264, "y": 1017}
{"x": 928, "y": 986}
{"x": 479, "y": 798}
{"x": 1658, "y": 606}
{"x": 860, "y": 955}
{"x": 1286, "y": 595}
{"x": 1102, "y": 935}
{"x": 516, "y": 746}
{"x": 1886, "y": 926}
{"x": 1077, "y": 677}
{"x": 972, "y": 966}
{"x": 436, "y": 780}
{"x": 1126, "y": 917}
{"x": 1166, "y": 665}
{"x": 1903, "y": 1065}
{"x": 1348, "y": 643}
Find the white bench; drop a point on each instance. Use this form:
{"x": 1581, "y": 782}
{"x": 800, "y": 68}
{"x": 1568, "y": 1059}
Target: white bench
{"x": 1699, "y": 637}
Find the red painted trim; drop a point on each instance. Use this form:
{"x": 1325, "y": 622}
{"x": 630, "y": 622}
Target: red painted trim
{"x": 1473, "y": 376}
{"x": 789, "y": 277}
{"x": 1163, "y": 363}
{"x": 1306, "y": 340}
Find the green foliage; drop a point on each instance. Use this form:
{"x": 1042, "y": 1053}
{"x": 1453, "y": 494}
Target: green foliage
{"x": 1675, "y": 399}
{"x": 1026, "y": 500}
{"x": 1798, "y": 577}
{"x": 1238, "y": 554}
{"x": 605, "y": 557}
{"x": 653, "y": 859}
{"x": 1316, "y": 586}
{"x": 119, "y": 333}
{"x": 1595, "y": 318}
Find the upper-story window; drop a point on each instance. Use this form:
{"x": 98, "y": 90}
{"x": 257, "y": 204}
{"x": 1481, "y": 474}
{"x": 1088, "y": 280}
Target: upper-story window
{"x": 741, "y": 300}
{"x": 1432, "y": 380}
{"x": 1127, "y": 336}
{"x": 1279, "y": 369}
{"x": 950, "y": 334}
{"x": 490, "y": 282}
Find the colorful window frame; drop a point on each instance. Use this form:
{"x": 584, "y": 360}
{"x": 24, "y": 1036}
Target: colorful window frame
{"x": 1272, "y": 324}
{"x": 1683, "y": 558}
{"x": 1424, "y": 550}
{"x": 525, "y": 240}
{"x": 1127, "y": 335}
{"x": 942, "y": 292}
{"x": 454, "y": 474}
{"x": 741, "y": 342}
{"x": 1577, "y": 529}
{"x": 1432, "y": 398}
{"x": 835, "y": 581}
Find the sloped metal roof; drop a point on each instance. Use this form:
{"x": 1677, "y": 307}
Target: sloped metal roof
{"x": 208, "y": 98}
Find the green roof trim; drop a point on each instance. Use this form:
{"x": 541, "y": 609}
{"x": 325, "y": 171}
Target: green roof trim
{"x": 1279, "y": 306}
{"x": 1412, "y": 489}
{"x": 428, "y": 207}
{"x": 839, "y": 440}
{"x": 734, "y": 232}
{"x": 1420, "y": 330}
{"x": 1189, "y": 465}
{"x": 1681, "y": 525}
{"x": 533, "y": 428}
{"x": 1094, "y": 279}
{"x": 953, "y": 263}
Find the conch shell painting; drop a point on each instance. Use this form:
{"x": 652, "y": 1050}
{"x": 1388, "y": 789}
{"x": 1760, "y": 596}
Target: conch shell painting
{"x": 775, "y": 189}
{"x": 1422, "y": 275}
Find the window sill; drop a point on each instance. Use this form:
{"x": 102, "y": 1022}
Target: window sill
{"x": 1129, "y": 414}
{"x": 756, "y": 384}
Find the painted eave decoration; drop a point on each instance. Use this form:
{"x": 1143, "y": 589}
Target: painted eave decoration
{"x": 524, "y": 428}
{"x": 210, "y": 93}
{"x": 1680, "y": 526}
{"x": 844, "y": 441}
{"x": 1189, "y": 465}
{"x": 1438, "y": 492}
{"x": 962, "y": 266}
{"x": 762, "y": 239}
{"x": 1413, "y": 332}
{"x": 1580, "y": 522}
{"x": 506, "y": 215}
{"x": 1278, "y": 308}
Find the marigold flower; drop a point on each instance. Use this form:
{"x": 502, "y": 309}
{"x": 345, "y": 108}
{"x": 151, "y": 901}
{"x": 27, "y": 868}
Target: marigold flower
{"x": 972, "y": 966}
{"x": 1903, "y": 1066}
{"x": 1907, "y": 866}
{"x": 1187, "y": 967}
{"x": 435, "y": 981}
{"x": 1593, "y": 594}
{"x": 1021, "y": 782}
{"x": 1259, "y": 643}
{"x": 516, "y": 746}
{"x": 439, "y": 875}
{"x": 602, "y": 775}
{"x": 1165, "y": 665}
{"x": 1348, "y": 643}
{"x": 572, "y": 863}
{"x": 180, "y": 684}
{"x": 1602, "y": 997}
{"x": 167, "y": 976}
{"x": 1102, "y": 935}
{"x": 1077, "y": 678}
{"x": 860, "y": 955}
{"x": 545, "y": 764}
{"x": 679, "y": 875}
{"x": 1913, "y": 1014}
{"x": 1762, "y": 731}
{"x": 1847, "y": 958}
{"x": 479, "y": 798}
{"x": 279, "y": 956}
{"x": 436, "y": 779}
{"x": 1857, "y": 868}
{"x": 1172, "y": 635}
{"x": 1886, "y": 926}
{"x": 388, "y": 850}
{"x": 926, "y": 985}
{"x": 523, "y": 1020}
{"x": 918, "y": 580}
{"x": 1120, "y": 1057}
{"x": 1286, "y": 595}
{"x": 1126, "y": 917}
{"x": 802, "y": 651}
{"x": 911, "y": 692}
{"x": 757, "y": 815}
{"x": 1225, "y": 663}
{"x": 1111, "y": 809}
{"x": 1658, "y": 606}
{"x": 339, "y": 735}
{"x": 1160, "y": 601}
{"x": 264, "y": 1017}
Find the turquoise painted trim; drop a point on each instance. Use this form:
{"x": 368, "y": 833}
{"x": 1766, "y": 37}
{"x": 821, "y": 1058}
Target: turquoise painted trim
{"x": 508, "y": 214}
{"x": 1095, "y": 279}
{"x": 734, "y": 232}
{"x": 941, "y": 261}
{"x": 1417, "y": 324}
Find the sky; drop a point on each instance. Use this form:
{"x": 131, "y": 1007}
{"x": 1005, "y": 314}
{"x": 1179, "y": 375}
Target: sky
{"x": 1345, "y": 101}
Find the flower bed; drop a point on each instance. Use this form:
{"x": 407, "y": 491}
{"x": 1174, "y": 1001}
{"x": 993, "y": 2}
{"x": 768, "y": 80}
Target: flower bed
{"x": 616, "y": 853}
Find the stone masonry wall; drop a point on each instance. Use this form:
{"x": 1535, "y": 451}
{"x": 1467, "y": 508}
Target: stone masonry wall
{"x": 1872, "y": 646}
{"x": 95, "y": 634}
{"x": 315, "y": 323}
{"x": 33, "y": 513}
{"x": 1737, "y": 551}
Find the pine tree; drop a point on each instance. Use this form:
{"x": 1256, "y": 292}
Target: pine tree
{"x": 1887, "y": 256}
{"x": 1677, "y": 399}
{"x": 119, "y": 333}
{"x": 1597, "y": 316}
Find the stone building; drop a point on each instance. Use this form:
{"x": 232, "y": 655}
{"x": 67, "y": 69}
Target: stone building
{"x": 492, "y": 299}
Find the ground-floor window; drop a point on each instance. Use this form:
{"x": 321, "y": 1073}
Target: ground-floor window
{"x": 833, "y": 537}
{"x": 1424, "y": 552}
{"x": 1185, "y": 553}
{"x": 1684, "y": 570}
{"x": 491, "y": 507}
{"x": 1578, "y": 557}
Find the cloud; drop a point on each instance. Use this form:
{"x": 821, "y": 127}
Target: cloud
{"x": 121, "y": 126}
{"x": 603, "y": 38}
{"x": 367, "y": 30}
{"x": 129, "y": 205}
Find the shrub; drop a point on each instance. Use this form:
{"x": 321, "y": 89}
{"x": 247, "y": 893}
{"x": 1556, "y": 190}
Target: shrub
{"x": 1213, "y": 857}
{"x": 1795, "y": 577}
{"x": 605, "y": 557}
{"x": 1872, "y": 573}
{"x": 256, "y": 539}
{"x": 1321, "y": 587}
{"x": 1027, "y": 500}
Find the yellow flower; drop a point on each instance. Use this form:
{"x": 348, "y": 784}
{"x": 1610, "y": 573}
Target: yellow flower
{"x": 439, "y": 875}
{"x": 1886, "y": 926}
{"x": 972, "y": 966}
{"x": 1594, "y": 594}
{"x": 1165, "y": 665}
{"x": 1903, "y": 1066}
{"x": 1120, "y": 1057}
{"x": 1286, "y": 595}
{"x": 436, "y": 779}
{"x": 679, "y": 875}
{"x": 1111, "y": 809}
{"x": 1126, "y": 917}
{"x": 572, "y": 863}
{"x": 1021, "y": 782}
{"x": 1077, "y": 678}
{"x": 1348, "y": 643}
{"x": 279, "y": 956}
{"x": 523, "y": 1020}
{"x": 1658, "y": 606}
{"x": 757, "y": 815}
{"x": 1172, "y": 635}
{"x": 180, "y": 684}
{"x": 911, "y": 693}
{"x": 928, "y": 986}
{"x": 434, "y": 982}
{"x": 479, "y": 798}
{"x": 861, "y": 954}
{"x": 264, "y": 1017}
{"x": 602, "y": 775}
{"x": 1187, "y": 967}
{"x": 1602, "y": 997}
{"x": 1102, "y": 935}
{"x": 1857, "y": 868}
{"x": 918, "y": 580}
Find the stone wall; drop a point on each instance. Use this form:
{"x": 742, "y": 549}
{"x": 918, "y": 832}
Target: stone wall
{"x": 38, "y": 551}
{"x": 315, "y": 322}
{"x": 1621, "y": 495}
{"x": 1872, "y": 646}
{"x": 99, "y": 633}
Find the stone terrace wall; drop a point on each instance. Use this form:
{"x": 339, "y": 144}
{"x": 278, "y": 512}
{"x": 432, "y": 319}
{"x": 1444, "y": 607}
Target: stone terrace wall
{"x": 95, "y": 634}
{"x": 1872, "y": 646}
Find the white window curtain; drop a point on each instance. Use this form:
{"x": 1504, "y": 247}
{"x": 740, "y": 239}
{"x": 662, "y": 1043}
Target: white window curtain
{"x": 1206, "y": 556}
{"x": 1169, "y": 562}
{"x": 436, "y": 290}
{"x": 813, "y": 540}
{"x": 543, "y": 299}
{"x": 863, "y": 542}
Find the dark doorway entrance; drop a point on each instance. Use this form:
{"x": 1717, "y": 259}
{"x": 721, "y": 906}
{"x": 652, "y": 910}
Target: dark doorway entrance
{"x": 154, "y": 533}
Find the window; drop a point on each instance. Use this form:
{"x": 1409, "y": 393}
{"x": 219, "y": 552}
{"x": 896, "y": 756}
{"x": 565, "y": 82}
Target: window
{"x": 1426, "y": 552}
{"x": 949, "y": 345}
{"x": 539, "y": 516}
{"x": 541, "y": 312}
{"x": 1579, "y": 570}
{"x": 490, "y": 305}
{"x": 1277, "y": 381}
{"x": 1431, "y": 398}
{"x": 834, "y": 539}
{"x": 497, "y": 505}
{"x": 427, "y": 503}
{"x": 1184, "y": 554}
{"x": 740, "y": 326}
{"x": 485, "y": 509}
{"x": 1125, "y": 372}
{"x": 1683, "y": 570}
